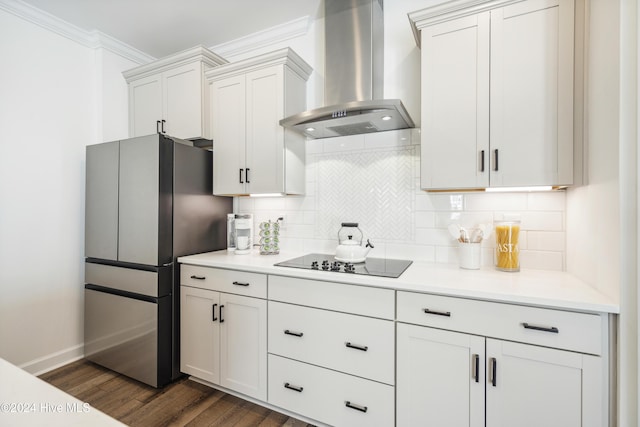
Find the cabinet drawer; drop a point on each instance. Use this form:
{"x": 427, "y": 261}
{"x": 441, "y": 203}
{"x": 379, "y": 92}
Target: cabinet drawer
{"x": 546, "y": 327}
{"x": 353, "y": 344}
{"x": 329, "y": 396}
{"x": 230, "y": 281}
{"x": 374, "y": 302}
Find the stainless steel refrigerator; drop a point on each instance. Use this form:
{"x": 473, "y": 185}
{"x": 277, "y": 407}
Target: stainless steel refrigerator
{"x": 148, "y": 201}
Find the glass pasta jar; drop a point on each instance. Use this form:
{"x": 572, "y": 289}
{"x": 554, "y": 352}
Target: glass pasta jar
{"x": 507, "y": 249}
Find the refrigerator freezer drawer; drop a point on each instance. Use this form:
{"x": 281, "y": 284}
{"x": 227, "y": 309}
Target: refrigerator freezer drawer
{"x": 143, "y": 282}
{"x": 121, "y": 334}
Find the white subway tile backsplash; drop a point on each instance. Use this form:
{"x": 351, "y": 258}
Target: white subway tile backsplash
{"x": 496, "y": 201}
{"x": 425, "y": 219}
{"x": 269, "y": 203}
{"x": 411, "y": 251}
{"x": 374, "y": 180}
{"x": 245, "y": 204}
{"x": 546, "y": 240}
{"x": 546, "y": 201}
{"x": 542, "y": 221}
{"x": 434, "y": 237}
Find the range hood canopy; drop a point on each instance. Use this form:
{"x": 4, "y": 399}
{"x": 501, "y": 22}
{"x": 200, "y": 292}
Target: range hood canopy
{"x": 354, "y": 64}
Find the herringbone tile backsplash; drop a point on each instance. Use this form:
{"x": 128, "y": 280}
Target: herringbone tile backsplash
{"x": 374, "y": 180}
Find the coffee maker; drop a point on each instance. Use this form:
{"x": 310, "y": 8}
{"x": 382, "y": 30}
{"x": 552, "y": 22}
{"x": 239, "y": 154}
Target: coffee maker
{"x": 243, "y": 224}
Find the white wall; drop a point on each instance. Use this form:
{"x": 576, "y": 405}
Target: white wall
{"x": 593, "y": 213}
{"x": 51, "y": 107}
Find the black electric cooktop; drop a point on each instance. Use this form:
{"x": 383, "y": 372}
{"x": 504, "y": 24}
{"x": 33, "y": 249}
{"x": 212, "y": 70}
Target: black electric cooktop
{"x": 371, "y": 267}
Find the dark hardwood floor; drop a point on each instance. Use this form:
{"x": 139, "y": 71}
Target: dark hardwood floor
{"x": 182, "y": 403}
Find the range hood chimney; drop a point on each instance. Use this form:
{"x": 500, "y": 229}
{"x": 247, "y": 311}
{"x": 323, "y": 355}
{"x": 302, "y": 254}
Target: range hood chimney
{"x": 354, "y": 64}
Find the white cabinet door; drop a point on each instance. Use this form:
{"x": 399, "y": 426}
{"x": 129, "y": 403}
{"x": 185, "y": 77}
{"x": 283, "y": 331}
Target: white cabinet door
{"x": 440, "y": 378}
{"x": 228, "y": 127}
{"x": 530, "y": 386}
{"x": 145, "y": 105}
{"x": 200, "y": 333}
{"x": 455, "y": 104}
{"x": 531, "y": 93}
{"x": 497, "y": 97}
{"x": 243, "y": 345}
{"x": 182, "y": 101}
{"x": 265, "y": 136}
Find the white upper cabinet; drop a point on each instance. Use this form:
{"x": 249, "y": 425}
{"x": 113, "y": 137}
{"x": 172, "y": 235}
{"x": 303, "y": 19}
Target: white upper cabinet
{"x": 497, "y": 94}
{"x": 252, "y": 153}
{"x": 168, "y": 95}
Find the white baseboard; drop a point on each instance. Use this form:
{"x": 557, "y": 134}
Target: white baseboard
{"x": 54, "y": 360}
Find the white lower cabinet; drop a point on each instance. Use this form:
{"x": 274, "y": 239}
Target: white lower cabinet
{"x": 441, "y": 377}
{"x": 332, "y": 352}
{"x": 328, "y": 396}
{"x": 532, "y": 386}
{"x": 223, "y": 339}
{"x": 449, "y": 378}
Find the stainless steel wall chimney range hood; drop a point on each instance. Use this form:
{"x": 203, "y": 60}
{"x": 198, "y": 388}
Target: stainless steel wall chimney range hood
{"x": 354, "y": 64}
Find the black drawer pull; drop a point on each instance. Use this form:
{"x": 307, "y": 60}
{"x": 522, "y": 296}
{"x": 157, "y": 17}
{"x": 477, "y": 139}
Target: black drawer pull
{"x": 475, "y": 367}
{"x": 241, "y": 284}
{"x": 293, "y": 387}
{"x": 552, "y": 329}
{"x": 354, "y": 406}
{"x": 193, "y": 276}
{"x": 213, "y": 313}
{"x": 295, "y": 334}
{"x": 437, "y": 313}
{"x": 221, "y": 319}
{"x": 493, "y": 365}
{"x": 357, "y": 347}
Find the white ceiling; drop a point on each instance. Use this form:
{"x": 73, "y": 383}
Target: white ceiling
{"x": 163, "y": 27}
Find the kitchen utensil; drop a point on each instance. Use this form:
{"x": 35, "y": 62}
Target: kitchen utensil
{"x": 350, "y": 250}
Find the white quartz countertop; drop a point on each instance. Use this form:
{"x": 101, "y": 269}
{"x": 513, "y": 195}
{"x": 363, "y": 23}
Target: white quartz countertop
{"x": 541, "y": 288}
{"x": 26, "y": 400}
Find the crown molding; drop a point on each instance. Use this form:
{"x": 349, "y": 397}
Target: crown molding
{"x": 196, "y": 53}
{"x": 91, "y": 39}
{"x": 288, "y": 30}
{"x": 285, "y": 56}
{"x": 450, "y": 10}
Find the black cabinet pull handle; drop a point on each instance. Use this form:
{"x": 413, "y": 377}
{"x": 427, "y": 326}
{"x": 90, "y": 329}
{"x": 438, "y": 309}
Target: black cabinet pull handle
{"x": 357, "y": 347}
{"x": 495, "y": 152}
{"x": 551, "y": 329}
{"x": 162, "y": 125}
{"x": 198, "y": 277}
{"x": 492, "y": 371}
{"x": 356, "y": 407}
{"x": 437, "y": 313}
{"x": 246, "y": 176}
{"x": 293, "y": 387}
{"x": 213, "y": 313}
{"x": 481, "y": 160}
{"x": 241, "y": 284}
{"x": 295, "y": 334}
{"x": 157, "y": 126}
{"x": 241, "y": 181}
{"x": 221, "y": 319}
{"x": 475, "y": 367}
